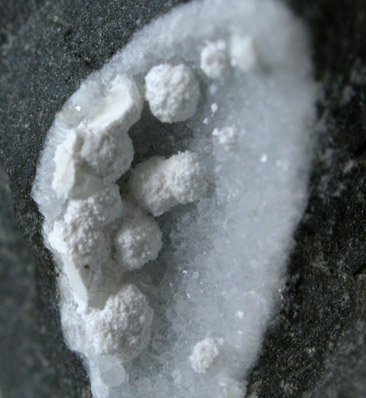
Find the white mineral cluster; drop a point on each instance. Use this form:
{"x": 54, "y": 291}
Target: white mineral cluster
{"x": 159, "y": 184}
{"x": 172, "y": 259}
{"x": 98, "y": 236}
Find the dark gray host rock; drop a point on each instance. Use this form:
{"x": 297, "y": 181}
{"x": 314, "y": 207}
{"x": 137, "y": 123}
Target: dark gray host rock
{"x": 316, "y": 345}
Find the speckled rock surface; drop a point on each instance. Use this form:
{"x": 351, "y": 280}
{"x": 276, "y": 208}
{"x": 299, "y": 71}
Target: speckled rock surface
{"x": 33, "y": 360}
{"x": 316, "y": 344}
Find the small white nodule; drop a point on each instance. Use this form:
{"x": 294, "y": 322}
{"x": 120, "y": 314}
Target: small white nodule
{"x": 214, "y": 59}
{"x": 227, "y": 136}
{"x": 172, "y": 92}
{"x": 138, "y": 240}
{"x": 122, "y": 327}
{"x": 204, "y": 355}
{"x": 159, "y": 184}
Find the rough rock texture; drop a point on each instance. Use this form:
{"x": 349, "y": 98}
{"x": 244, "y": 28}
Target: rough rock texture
{"x": 316, "y": 344}
{"x": 33, "y": 360}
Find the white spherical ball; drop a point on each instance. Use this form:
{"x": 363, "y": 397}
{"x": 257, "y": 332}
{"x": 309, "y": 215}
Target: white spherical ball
{"x": 137, "y": 242}
{"x": 99, "y": 209}
{"x": 185, "y": 177}
{"x": 149, "y": 187}
{"x": 122, "y": 328}
{"x": 106, "y": 155}
{"x": 80, "y": 243}
{"x": 172, "y": 92}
